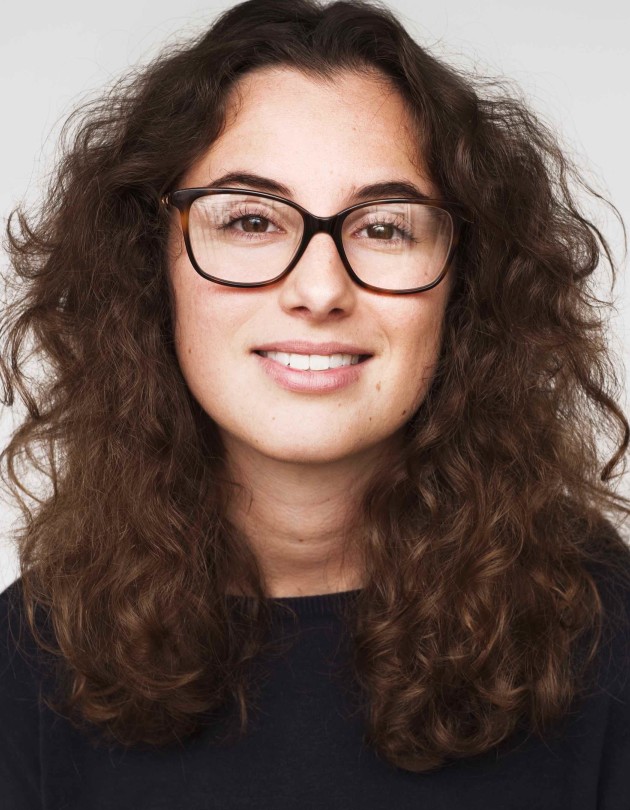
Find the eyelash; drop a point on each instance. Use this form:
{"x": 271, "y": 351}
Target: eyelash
{"x": 240, "y": 214}
{"x": 397, "y": 223}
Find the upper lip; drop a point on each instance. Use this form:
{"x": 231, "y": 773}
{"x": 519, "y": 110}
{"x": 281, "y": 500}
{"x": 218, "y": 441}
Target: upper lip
{"x": 308, "y": 347}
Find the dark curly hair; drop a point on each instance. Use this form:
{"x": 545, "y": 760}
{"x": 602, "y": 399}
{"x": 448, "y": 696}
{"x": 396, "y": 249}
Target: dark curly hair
{"x": 481, "y": 542}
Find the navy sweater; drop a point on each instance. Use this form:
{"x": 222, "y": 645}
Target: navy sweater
{"x": 304, "y": 748}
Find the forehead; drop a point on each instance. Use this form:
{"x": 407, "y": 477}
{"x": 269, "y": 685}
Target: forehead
{"x": 313, "y": 134}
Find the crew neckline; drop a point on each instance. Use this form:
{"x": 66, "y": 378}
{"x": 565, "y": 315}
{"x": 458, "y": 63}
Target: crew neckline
{"x": 312, "y": 605}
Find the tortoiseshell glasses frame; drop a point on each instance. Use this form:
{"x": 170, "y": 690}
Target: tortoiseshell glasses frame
{"x": 182, "y": 200}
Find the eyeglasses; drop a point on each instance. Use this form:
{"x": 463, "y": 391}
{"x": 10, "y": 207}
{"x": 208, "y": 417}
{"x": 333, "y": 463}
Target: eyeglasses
{"x": 243, "y": 238}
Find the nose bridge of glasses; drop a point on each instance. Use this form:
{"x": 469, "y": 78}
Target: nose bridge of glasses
{"x": 314, "y": 225}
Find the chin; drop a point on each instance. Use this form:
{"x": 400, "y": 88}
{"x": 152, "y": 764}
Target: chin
{"x": 292, "y": 449}
{"x": 306, "y": 454}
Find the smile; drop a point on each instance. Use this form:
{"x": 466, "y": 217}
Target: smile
{"x": 314, "y": 362}
{"x": 312, "y": 373}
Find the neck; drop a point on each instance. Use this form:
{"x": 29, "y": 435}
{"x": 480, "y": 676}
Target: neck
{"x": 301, "y": 519}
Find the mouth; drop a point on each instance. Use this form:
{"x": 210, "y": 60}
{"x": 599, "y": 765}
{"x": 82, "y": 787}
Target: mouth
{"x": 313, "y": 362}
{"x": 304, "y": 367}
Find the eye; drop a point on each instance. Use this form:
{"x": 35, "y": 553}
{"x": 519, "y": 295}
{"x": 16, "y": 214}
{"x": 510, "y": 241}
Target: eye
{"x": 250, "y": 222}
{"x": 383, "y": 230}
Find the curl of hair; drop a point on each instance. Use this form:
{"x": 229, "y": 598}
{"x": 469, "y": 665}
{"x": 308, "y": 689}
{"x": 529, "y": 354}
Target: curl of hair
{"x": 481, "y": 541}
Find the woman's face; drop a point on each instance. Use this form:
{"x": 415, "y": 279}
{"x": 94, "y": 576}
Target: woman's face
{"x": 321, "y": 141}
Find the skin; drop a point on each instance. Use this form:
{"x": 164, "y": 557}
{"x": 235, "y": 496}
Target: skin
{"x": 304, "y": 457}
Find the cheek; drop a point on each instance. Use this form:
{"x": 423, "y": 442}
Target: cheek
{"x": 185, "y": 308}
{"x": 210, "y": 321}
{"x": 201, "y": 313}
{"x": 199, "y": 323}
{"x": 417, "y": 352}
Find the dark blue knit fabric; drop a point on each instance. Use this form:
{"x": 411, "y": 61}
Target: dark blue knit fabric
{"x": 305, "y": 747}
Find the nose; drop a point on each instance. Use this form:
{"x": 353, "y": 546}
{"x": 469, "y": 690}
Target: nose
{"x": 319, "y": 286}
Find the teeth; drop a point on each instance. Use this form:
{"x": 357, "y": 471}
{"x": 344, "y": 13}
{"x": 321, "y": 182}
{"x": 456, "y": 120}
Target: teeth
{"x": 314, "y": 362}
{"x": 299, "y": 361}
{"x": 336, "y": 360}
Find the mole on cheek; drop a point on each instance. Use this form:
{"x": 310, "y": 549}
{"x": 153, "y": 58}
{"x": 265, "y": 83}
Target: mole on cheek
{"x": 378, "y": 386}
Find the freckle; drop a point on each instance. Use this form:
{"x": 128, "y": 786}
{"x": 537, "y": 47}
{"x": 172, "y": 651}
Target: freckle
{"x": 378, "y": 386}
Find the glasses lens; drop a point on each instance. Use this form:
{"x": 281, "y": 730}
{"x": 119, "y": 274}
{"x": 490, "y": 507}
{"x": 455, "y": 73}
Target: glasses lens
{"x": 398, "y": 246}
{"x": 243, "y": 238}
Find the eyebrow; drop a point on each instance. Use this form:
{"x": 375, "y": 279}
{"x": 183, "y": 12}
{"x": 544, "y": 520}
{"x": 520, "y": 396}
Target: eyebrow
{"x": 372, "y": 191}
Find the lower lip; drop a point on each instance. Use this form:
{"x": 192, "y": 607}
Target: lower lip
{"x": 331, "y": 379}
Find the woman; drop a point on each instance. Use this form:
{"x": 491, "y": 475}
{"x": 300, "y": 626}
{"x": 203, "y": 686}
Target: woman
{"x": 329, "y": 525}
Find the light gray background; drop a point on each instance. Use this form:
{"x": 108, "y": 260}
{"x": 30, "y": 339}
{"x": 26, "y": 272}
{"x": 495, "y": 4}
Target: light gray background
{"x": 572, "y": 59}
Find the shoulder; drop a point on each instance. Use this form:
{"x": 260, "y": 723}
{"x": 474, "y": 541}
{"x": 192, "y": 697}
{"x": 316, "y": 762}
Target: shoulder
{"x": 11, "y": 615}
{"x": 19, "y": 704}
{"x": 26, "y": 669}
{"x": 610, "y": 569}
{"x": 606, "y": 713}
{"x": 17, "y": 646}
{"x": 611, "y": 574}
